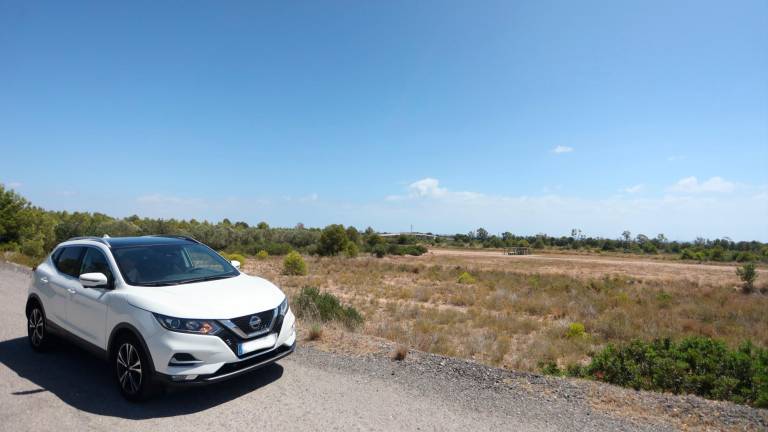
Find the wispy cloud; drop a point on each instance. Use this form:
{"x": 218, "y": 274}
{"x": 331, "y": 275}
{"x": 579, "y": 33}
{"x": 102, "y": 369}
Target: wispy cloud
{"x": 427, "y": 203}
{"x": 14, "y": 184}
{"x": 634, "y": 189}
{"x": 693, "y": 185}
{"x": 429, "y": 188}
{"x": 562, "y": 149}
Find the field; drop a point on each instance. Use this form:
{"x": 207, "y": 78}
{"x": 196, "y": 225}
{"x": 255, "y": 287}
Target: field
{"x": 517, "y": 312}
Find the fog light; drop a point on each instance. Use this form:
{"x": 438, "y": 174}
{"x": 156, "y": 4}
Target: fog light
{"x": 183, "y": 377}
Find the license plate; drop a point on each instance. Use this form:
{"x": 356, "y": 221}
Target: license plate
{"x": 256, "y": 344}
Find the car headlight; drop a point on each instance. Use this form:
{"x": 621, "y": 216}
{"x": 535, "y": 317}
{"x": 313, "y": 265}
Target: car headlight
{"x": 283, "y": 307}
{"x": 184, "y": 325}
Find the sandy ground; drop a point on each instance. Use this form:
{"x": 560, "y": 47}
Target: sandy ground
{"x": 590, "y": 266}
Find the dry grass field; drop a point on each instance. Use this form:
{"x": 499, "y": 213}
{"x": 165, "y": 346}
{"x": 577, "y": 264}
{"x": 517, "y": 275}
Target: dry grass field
{"x": 516, "y": 312}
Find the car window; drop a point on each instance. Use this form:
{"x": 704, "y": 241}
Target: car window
{"x": 156, "y": 265}
{"x": 68, "y": 260}
{"x": 94, "y": 261}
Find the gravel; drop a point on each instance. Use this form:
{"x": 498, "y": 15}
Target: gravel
{"x": 68, "y": 389}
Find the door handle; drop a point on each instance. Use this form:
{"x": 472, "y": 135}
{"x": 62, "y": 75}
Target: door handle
{"x": 44, "y": 280}
{"x": 71, "y": 291}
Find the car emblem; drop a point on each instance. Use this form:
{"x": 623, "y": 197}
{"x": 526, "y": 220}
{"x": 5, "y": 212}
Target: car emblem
{"x": 255, "y": 322}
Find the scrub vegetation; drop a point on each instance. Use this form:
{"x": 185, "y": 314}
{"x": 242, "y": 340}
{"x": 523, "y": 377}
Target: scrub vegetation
{"x": 521, "y": 313}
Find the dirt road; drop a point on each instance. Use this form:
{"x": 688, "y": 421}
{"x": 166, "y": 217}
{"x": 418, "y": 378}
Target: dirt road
{"x": 67, "y": 389}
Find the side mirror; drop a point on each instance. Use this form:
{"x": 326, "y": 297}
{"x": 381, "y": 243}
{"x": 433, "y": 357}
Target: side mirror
{"x": 92, "y": 280}
{"x": 235, "y": 264}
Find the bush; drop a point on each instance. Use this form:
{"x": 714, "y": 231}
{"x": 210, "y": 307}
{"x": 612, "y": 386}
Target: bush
{"x": 351, "y": 250}
{"x": 262, "y": 255}
{"x": 466, "y": 278}
{"x": 748, "y": 275}
{"x": 697, "y": 365}
{"x": 33, "y": 248}
{"x": 332, "y": 241}
{"x": 379, "y": 250}
{"x": 576, "y": 330}
{"x": 294, "y": 265}
{"x": 687, "y": 254}
{"x": 314, "y": 305}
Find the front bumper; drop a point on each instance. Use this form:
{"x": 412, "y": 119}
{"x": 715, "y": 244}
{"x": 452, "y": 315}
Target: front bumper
{"x": 214, "y": 356}
{"x": 231, "y": 370}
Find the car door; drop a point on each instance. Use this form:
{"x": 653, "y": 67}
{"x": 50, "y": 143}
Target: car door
{"x": 63, "y": 282}
{"x": 87, "y": 308}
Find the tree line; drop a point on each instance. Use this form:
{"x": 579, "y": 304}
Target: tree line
{"x": 34, "y": 231}
{"x": 700, "y": 249}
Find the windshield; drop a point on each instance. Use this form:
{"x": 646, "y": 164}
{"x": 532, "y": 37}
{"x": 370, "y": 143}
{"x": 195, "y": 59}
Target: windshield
{"x": 161, "y": 265}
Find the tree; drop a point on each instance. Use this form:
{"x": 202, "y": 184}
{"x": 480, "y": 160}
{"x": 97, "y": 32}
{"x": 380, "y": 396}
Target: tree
{"x": 748, "y": 275}
{"x": 627, "y": 236}
{"x": 333, "y": 239}
{"x": 482, "y": 234}
{"x": 262, "y": 225}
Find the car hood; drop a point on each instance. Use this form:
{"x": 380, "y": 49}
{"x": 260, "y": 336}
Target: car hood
{"x": 217, "y": 299}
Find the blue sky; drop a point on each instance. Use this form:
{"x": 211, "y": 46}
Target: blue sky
{"x": 516, "y": 116}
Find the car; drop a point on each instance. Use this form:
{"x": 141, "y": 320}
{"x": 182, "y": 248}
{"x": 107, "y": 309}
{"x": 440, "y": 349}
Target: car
{"x": 162, "y": 310}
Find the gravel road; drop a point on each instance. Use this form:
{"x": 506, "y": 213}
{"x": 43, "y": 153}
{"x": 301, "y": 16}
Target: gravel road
{"x": 68, "y": 389}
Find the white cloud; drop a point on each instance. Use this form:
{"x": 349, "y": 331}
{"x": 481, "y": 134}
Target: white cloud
{"x": 634, "y": 189}
{"x": 14, "y": 184}
{"x": 562, "y": 149}
{"x": 427, "y": 187}
{"x": 693, "y": 185}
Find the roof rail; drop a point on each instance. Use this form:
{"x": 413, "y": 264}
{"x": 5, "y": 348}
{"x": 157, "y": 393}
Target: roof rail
{"x": 92, "y": 238}
{"x": 174, "y": 236}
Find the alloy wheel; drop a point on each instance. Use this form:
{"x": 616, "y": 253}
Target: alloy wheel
{"x": 36, "y": 327}
{"x": 129, "y": 372}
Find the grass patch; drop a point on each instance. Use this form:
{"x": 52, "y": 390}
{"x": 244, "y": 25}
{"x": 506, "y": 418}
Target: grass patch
{"x": 312, "y": 304}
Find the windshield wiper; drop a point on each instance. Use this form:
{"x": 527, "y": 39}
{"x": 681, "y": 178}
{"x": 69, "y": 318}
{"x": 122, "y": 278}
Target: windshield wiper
{"x": 203, "y": 279}
{"x": 183, "y": 281}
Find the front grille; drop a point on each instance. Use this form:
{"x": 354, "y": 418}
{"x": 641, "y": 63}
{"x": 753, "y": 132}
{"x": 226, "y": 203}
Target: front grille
{"x": 244, "y": 322}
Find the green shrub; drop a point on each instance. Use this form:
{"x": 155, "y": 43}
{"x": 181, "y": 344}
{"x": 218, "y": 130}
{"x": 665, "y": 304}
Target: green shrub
{"x": 380, "y": 250}
{"x": 687, "y": 254}
{"x": 293, "y": 264}
{"x": 332, "y": 241}
{"x": 351, "y": 250}
{"x": 697, "y": 365}
{"x": 466, "y": 278}
{"x": 314, "y": 305}
{"x": 746, "y": 273}
{"x": 576, "y": 330}
{"x": 262, "y": 255}
{"x": 32, "y": 248}
{"x": 550, "y": 368}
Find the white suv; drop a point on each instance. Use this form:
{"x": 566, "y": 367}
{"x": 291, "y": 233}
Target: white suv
{"x": 161, "y": 309}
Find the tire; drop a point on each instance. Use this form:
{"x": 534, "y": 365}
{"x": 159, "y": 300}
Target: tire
{"x": 37, "y": 331}
{"x": 133, "y": 370}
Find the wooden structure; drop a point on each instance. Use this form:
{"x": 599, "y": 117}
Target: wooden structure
{"x": 518, "y": 251}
